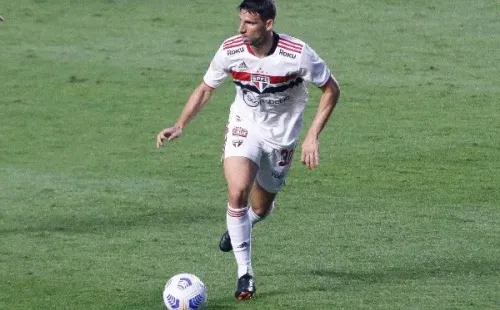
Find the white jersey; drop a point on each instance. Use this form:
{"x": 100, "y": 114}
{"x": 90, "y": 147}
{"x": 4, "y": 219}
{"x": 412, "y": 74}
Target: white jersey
{"x": 271, "y": 92}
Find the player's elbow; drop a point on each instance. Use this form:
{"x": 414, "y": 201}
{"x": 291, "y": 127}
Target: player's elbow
{"x": 331, "y": 89}
{"x": 205, "y": 88}
{"x": 205, "y": 91}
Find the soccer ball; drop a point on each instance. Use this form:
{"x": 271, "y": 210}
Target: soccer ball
{"x": 184, "y": 292}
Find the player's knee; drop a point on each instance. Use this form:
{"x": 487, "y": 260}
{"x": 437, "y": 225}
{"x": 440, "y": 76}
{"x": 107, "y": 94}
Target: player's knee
{"x": 263, "y": 210}
{"x": 238, "y": 198}
{"x": 259, "y": 211}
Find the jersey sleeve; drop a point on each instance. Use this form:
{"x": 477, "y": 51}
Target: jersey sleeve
{"x": 313, "y": 69}
{"x": 218, "y": 70}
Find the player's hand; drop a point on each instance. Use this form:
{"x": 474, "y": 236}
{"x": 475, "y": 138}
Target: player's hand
{"x": 310, "y": 153}
{"x": 168, "y": 134}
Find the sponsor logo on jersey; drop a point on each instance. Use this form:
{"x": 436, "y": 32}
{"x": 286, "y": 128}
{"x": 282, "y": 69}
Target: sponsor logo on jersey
{"x": 242, "y": 66}
{"x": 274, "y": 101}
{"x": 260, "y": 81}
{"x": 236, "y": 51}
{"x": 253, "y": 100}
{"x": 240, "y": 132}
{"x": 287, "y": 54}
{"x": 250, "y": 98}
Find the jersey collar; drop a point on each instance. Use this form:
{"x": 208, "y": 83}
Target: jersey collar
{"x": 276, "y": 38}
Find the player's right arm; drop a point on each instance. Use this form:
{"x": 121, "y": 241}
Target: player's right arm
{"x": 198, "y": 99}
{"x": 214, "y": 76}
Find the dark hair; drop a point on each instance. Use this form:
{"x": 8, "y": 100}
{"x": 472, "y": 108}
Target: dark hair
{"x": 265, "y": 8}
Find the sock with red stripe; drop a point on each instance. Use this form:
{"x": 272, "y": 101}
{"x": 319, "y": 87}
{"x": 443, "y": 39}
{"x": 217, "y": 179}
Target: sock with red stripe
{"x": 240, "y": 231}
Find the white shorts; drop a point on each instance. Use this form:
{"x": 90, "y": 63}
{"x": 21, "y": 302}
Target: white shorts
{"x": 243, "y": 139}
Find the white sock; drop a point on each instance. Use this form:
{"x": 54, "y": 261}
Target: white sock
{"x": 254, "y": 218}
{"x": 240, "y": 231}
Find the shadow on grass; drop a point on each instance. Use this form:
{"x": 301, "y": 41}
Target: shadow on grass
{"x": 98, "y": 223}
{"x": 431, "y": 270}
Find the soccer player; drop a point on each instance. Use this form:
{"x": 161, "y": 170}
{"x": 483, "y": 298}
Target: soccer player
{"x": 270, "y": 72}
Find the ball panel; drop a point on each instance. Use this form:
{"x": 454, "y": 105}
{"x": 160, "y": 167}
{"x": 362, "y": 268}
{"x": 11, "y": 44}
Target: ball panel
{"x": 184, "y": 292}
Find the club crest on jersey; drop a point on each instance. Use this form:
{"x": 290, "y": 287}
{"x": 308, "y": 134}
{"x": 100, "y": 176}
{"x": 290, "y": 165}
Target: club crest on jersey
{"x": 260, "y": 81}
{"x": 237, "y": 142}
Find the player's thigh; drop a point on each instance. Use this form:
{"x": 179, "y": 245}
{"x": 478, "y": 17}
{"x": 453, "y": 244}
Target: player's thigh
{"x": 274, "y": 167}
{"x": 242, "y": 155}
{"x": 240, "y": 173}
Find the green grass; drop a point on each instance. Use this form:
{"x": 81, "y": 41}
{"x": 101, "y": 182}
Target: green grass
{"x": 403, "y": 212}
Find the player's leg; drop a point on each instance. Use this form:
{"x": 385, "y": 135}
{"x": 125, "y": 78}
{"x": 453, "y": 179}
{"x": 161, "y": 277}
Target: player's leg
{"x": 261, "y": 205}
{"x": 261, "y": 202}
{"x": 240, "y": 173}
{"x": 242, "y": 154}
{"x": 274, "y": 166}
{"x": 269, "y": 180}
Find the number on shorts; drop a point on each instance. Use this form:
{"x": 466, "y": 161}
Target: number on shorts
{"x": 286, "y": 157}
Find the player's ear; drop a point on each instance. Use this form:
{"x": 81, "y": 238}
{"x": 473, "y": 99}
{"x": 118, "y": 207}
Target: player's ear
{"x": 269, "y": 24}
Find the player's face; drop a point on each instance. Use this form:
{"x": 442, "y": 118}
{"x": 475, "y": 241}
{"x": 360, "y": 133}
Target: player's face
{"x": 253, "y": 29}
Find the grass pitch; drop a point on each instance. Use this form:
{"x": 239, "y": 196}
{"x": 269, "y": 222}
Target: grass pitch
{"x": 403, "y": 212}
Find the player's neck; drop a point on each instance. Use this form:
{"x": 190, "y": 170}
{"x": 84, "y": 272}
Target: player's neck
{"x": 262, "y": 50}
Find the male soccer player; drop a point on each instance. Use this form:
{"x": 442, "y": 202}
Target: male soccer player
{"x": 270, "y": 71}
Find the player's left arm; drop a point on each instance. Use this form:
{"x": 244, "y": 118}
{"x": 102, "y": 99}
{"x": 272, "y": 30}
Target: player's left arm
{"x": 328, "y": 101}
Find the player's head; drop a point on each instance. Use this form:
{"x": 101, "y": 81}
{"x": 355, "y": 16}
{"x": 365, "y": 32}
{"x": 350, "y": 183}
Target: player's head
{"x": 266, "y": 9}
{"x": 256, "y": 20}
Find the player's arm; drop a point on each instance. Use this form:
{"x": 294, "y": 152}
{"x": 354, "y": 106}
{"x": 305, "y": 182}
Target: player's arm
{"x": 214, "y": 76}
{"x": 328, "y": 101}
{"x": 197, "y": 100}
